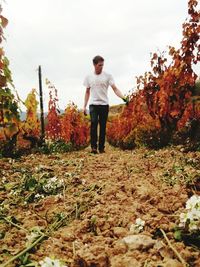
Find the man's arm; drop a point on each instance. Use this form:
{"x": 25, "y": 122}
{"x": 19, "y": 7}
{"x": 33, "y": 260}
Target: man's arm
{"x": 117, "y": 91}
{"x": 119, "y": 94}
{"x": 87, "y": 96}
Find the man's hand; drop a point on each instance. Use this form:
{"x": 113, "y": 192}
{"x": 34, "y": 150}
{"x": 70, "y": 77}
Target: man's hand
{"x": 85, "y": 111}
{"x": 126, "y": 100}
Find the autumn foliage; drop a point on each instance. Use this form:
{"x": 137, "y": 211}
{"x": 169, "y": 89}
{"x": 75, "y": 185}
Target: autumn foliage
{"x": 53, "y": 127}
{"x": 31, "y": 125}
{"x": 75, "y": 128}
{"x": 71, "y": 127}
{"x": 164, "y": 102}
{"x": 9, "y": 115}
{"x": 163, "y": 110}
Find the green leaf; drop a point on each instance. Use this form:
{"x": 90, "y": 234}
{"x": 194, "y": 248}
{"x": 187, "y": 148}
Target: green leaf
{"x": 24, "y": 258}
{"x": 178, "y": 235}
{"x": 30, "y": 197}
{"x": 4, "y": 93}
{"x": 32, "y": 264}
{"x": 2, "y": 234}
{"x": 30, "y": 184}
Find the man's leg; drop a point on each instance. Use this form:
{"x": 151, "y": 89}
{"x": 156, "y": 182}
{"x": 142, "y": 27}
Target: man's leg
{"x": 93, "y": 127}
{"x": 103, "y": 116}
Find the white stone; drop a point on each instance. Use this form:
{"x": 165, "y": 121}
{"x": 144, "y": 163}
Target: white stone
{"x": 138, "y": 242}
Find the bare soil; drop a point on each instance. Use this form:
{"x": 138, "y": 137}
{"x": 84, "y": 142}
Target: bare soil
{"x": 101, "y": 197}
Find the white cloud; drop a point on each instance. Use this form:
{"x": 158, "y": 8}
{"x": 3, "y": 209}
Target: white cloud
{"x": 63, "y": 36}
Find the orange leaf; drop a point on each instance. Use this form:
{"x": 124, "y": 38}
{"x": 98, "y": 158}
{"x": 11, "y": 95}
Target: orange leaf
{"x": 4, "y": 21}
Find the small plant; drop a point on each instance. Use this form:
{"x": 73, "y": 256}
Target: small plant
{"x": 37, "y": 189}
{"x": 57, "y": 146}
{"x": 48, "y": 262}
{"x": 138, "y": 226}
{"x": 190, "y": 219}
{"x": 93, "y": 224}
{"x": 52, "y": 185}
{"x": 189, "y": 225}
{"x": 34, "y": 234}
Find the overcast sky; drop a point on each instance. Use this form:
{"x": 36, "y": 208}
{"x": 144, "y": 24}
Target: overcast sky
{"x": 63, "y": 36}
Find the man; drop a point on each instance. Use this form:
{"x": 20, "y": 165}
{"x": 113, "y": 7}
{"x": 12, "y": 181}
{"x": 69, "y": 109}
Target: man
{"x": 97, "y": 85}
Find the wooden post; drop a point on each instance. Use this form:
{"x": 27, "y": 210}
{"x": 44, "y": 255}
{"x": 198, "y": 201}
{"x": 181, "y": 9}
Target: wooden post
{"x": 41, "y": 106}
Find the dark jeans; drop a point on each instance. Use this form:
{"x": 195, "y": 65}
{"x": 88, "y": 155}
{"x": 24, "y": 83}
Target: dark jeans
{"x": 98, "y": 115}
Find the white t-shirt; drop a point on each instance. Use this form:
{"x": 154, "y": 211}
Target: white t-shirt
{"x": 98, "y": 84}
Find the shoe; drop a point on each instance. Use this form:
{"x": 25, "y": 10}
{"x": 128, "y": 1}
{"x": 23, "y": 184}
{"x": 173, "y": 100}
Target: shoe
{"x": 102, "y": 151}
{"x": 94, "y": 151}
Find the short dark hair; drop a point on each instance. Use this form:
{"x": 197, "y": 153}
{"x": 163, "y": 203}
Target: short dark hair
{"x": 97, "y": 59}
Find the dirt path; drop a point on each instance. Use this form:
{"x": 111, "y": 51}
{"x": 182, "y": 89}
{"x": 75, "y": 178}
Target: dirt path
{"x": 102, "y": 197}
